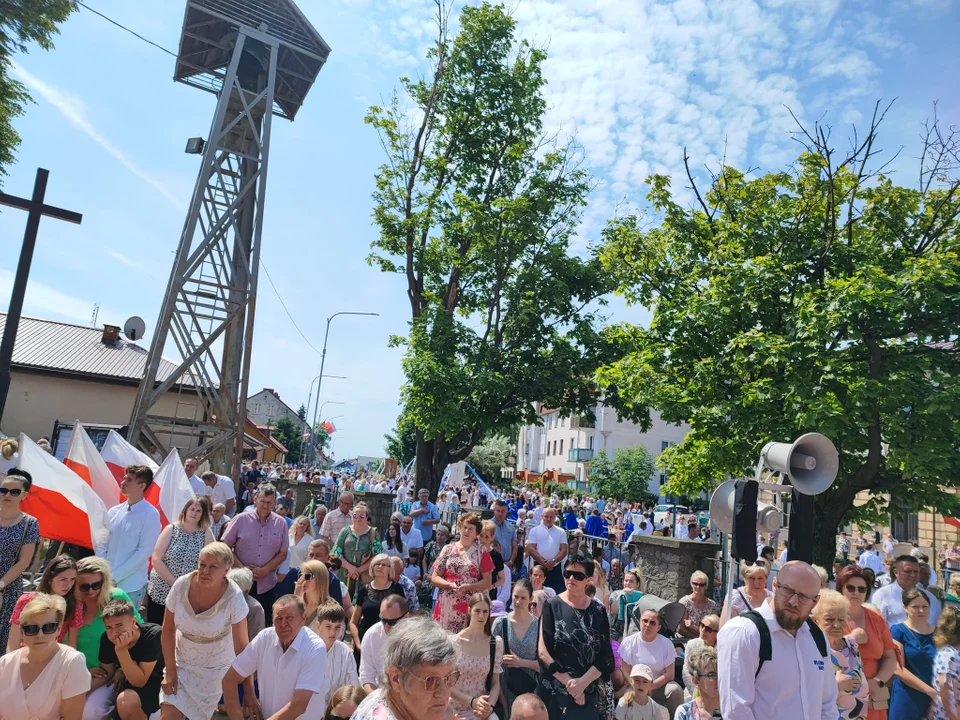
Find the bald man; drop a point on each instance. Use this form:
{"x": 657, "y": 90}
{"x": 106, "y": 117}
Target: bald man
{"x": 528, "y": 707}
{"x": 797, "y": 682}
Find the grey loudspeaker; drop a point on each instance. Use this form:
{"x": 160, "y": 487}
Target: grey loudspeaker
{"x": 769, "y": 519}
{"x": 811, "y": 462}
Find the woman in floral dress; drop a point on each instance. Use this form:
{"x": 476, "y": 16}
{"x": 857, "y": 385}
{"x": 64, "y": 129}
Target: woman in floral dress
{"x": 462, "y": 569}
{"x": 356, "y": 545}
{"x": 481, "y": 658}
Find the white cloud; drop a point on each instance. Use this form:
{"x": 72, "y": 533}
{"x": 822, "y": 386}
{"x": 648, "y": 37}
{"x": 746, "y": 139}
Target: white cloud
{"x": 73, "y": 109}
{"x": 44, "y": 301}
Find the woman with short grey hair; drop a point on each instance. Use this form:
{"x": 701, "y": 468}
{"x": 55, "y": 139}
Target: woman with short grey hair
{"x": 703, "y": 671}
{"x": 256, "y": 620}
{"x": 419, "y": 671}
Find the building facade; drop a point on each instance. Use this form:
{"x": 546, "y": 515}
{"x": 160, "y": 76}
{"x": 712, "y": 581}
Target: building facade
{"x": 564, "y": 446}
{"x": 266, "y": 408}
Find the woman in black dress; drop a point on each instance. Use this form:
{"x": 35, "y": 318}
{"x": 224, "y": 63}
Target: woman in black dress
{"x": 576, "y": 658}
{"x": 366, "y": 607}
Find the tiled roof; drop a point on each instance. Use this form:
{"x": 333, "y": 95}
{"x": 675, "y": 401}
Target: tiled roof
{"x": 77, "y": 349}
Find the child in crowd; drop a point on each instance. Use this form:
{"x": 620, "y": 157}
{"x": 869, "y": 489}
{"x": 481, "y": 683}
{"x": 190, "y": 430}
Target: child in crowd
{"x": 636, "y": 703}
{"x": 341, "y": 668}
{"x": 412, "y": 570}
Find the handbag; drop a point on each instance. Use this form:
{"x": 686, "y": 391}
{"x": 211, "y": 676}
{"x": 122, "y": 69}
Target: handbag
{"x": 519, "y": 682}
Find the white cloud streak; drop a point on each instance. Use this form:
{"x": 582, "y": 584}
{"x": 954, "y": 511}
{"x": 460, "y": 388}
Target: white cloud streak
{"x": 73, "y": 109}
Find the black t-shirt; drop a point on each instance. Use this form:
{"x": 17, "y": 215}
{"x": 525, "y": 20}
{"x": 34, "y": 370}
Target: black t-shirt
{"x": 368, "y": 600}
{"x": 497, "y": 569}
{"x": 146, "y": 649}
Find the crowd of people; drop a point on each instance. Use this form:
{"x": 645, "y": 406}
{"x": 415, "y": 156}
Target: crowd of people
{"x": 241, "y": 606}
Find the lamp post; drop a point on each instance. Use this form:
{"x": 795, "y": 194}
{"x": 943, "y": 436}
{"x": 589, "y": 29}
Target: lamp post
{"x": 323, "y": 354}
{"x": 309, "y": 398}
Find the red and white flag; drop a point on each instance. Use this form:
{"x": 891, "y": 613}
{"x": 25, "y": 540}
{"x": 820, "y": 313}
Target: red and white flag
{"x": 171, "y": 489}
{"x": 82, "y": 457}
{"x": 117, "y": 453}
{"x": 63, "y": 503}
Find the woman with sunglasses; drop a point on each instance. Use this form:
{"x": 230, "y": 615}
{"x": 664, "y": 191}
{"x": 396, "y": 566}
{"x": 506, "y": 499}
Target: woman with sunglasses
{"x": 420, "y": 669}
{"x": 59, "y": 578}
{"x": 366, "y": 608}
{"x": 95, "y": 587}
{"x": 878, "y": 652}
{"x": 574, "y": 650}
{"x": 519, "y": 631}
{"x": 709, "y": 627}
{"x": 697, "y": 605}
{"x": 43, "y": 680}
{"x": 19, "y": 537}
{"x": 312, "y": 587}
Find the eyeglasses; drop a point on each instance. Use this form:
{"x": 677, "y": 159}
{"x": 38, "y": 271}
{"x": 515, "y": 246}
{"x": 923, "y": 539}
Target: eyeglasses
{"x": 390, "y": 622}
{"x": 704, "y": 626}
{"x": 856, "y": 589}
{"x": 789, "y": 593}
{"x": 649, "y": 622}
{"x": 46, "y": 629}
{"x": 432, "y": 684}
{"x": 307, "y": 577}
{"x": 88, "y": 587}
{"x": 575, "y": 574}
{"x": 707, "y": 676}
{"x": 698, "y": 584}
{"x": 13, "y": 492}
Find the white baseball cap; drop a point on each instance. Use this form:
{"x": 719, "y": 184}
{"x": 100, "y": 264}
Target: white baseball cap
{"x": 643, "y": 671}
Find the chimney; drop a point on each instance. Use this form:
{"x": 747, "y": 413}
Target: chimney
{"x": 111, "y": 333}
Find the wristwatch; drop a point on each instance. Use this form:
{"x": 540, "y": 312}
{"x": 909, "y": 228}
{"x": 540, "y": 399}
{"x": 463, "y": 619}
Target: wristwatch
{"x": 881, "y": 683}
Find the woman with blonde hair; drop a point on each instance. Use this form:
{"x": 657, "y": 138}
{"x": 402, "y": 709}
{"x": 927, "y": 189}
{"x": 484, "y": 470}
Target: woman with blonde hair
{"x": 366, "y": 608}
{"x": 43, "y": 680}
{"x": 177, "y": 551}
{"x": 620, "y": 600}
{"x": 599, "y": 581}
{"x": 344, "y": 701}
{"x": 753, "y": 593}
{"x": 95, "y": 588}
{"x": 831, "y": 614}
{"x": 204, "y": 629}
{"x": 697, "y": 605}
{"x": 312, "y": 587}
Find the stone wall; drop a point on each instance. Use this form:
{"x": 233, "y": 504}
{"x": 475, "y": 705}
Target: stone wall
{"x": 667, "y": 564}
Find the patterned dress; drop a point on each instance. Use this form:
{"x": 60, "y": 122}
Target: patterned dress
{"x": 352, "y": 548}
{"x": 25, "y": 532}
{"x": 946, "y": 672}
{"x": 374, "y": 707}
{"x": 695, "y": 614}
{"x": 853, "y": 704}
{"x": 461, "y": 567}
{"x": 473, "y": 675}
{"x": 181, "y": 557}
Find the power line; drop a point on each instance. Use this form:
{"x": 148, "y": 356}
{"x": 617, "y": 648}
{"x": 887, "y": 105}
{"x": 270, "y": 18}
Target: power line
{"x": 124, "y": 27}
{"x": 160, "y": 47}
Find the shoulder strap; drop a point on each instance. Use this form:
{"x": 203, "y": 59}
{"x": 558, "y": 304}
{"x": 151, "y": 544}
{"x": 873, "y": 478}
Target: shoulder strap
{"x": 504, "y": 632}
{"x": 818, "y": 637}
{"x": 766, "y": 646}
{"x": 493, "y": 657}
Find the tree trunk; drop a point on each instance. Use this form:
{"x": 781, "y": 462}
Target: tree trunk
{"x": 432, "y": 459}
{"x": 831, "y": 508}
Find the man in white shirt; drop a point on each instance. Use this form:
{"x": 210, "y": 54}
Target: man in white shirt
{"x": 220, "y": 490}
{"x": 872, "y": 559}
{"x": 190, "y": 468}
{"x": 290, "y": 662}
{"x": 797, "y": 682}
{"x": 393, "y": 609}
{"x": 341, "y": 664}
{"x": 547, "y": 545}
{"x": 134, "y": 529}
{"x": 890, "y": 545}
{"x": 410, "y": 536}
{"x": 889, "y": 598}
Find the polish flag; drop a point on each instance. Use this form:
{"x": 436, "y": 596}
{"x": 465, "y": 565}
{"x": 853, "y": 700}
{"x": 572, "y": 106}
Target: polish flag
{"x": 171, "y": 489}
{"x": 117, "y": 453}
{"x": 82, "y": 457}
{"x": 955, "y": 522}
{"x": 66, "y": 507}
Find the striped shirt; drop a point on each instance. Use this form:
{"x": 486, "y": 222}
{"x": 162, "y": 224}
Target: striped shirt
{"x": 333, "y": 523}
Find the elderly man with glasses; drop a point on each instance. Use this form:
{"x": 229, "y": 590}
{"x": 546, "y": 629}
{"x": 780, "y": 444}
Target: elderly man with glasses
{"x": 337, "y": 519}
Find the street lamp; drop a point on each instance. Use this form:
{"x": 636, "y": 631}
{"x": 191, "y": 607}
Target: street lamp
{"x": 323, "y": 354}
{"x": 309, "y": 398}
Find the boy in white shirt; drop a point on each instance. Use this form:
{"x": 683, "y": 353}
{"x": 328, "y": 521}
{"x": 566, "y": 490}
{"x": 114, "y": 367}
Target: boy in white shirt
{"x": 636, "y": 703}
{"x": 341, "y": 665}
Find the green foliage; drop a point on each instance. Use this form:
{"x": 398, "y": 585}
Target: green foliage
{"x": 490, "y": 455}
{"x": 477, "y": 210}
{"x": 624, "y": 477}
{"x": 824, "y": 298}
{"x": 321, "y": 437}
{"x": 290, "y": 434}
{"x": 302, "y": 412}
{"x": 22, "y": 22}
{"x": 561, "y": 490}
{"x": 402, "y": 442}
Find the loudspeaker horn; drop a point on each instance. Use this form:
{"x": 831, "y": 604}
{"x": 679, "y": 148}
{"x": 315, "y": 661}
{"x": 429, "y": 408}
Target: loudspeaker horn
{"x": 769, "y": 519}
{"x": 811, "y": 462}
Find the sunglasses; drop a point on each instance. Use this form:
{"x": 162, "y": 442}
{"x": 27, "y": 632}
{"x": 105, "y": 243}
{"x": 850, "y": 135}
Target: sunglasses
{"x": 390, "y": 622}
{"x": 856, "y": 589}
{"x": 699, "y": 584}
{"x": 577, "y": 575}
{"x": 88, "y": 587}
{"x": 13, "y": 492}
{"x": 46, "y": 629}
{"x": 307, "y": 577}
{"x": 706, "y": 627}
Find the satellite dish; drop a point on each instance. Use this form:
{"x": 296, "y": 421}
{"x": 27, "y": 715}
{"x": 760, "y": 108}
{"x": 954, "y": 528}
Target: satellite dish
{"x": 134, "y": 328}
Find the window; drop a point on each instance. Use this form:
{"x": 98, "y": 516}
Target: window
{"x": 590, "y": 442}
{"x": 269, "y": 411}
{"x": 664, "y": 477}
{"x": 572, "y": 441}
{"x": 561, "y": 447}
{"x": 554, "y": 447}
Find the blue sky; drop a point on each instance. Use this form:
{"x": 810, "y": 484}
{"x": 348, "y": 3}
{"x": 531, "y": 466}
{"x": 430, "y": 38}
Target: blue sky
{"x": 635, "y": 80}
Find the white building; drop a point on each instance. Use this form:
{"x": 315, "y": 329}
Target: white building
{"x": 566, "y": 445}
{"x": 266, "y": 408}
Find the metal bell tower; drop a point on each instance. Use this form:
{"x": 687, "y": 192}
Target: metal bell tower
{"x": 260, "y": 57}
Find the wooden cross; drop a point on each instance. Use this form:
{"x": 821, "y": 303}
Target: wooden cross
{"x": 36, "y": 209}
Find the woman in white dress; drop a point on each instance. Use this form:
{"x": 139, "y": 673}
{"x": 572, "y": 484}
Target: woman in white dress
{"x": 204, "y": 629}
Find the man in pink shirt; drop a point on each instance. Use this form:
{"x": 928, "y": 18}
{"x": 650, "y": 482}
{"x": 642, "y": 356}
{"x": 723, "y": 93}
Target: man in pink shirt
{"x": 259, "y": 542}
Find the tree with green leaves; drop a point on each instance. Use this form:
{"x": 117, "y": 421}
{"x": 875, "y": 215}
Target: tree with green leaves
{"x": 302, "y": 412}
{"x": 490, "y": 456}
{"x": 289, "y": 433}
{"x": 22, "y": 22}
{"x": 823, "y": 298}
{"x": 402, "y": 442}
{"x": 477, "y": 210}
{"x": 625, "y": 476}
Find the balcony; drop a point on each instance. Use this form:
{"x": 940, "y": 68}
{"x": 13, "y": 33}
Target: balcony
{"x": 580, "y": 454}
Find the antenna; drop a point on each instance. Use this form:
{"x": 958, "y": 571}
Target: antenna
{"x": 96, "y": 311}
{"x": 134, "y": 328}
